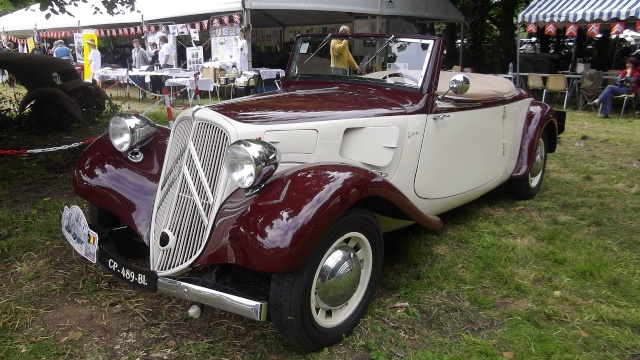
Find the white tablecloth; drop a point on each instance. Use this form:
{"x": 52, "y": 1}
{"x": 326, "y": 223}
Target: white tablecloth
{"x": 267, "y": 74}
{"x": 204, "y": 84}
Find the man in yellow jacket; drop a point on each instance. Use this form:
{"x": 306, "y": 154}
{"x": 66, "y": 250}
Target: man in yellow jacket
{"x": 341, "y": 57}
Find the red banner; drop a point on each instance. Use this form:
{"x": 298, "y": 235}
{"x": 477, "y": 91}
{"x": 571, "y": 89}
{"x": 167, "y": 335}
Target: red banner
{"x": 617, "y": 28}
{"x": 550, "y": 29}
{"x": 572, "y": 30}
{"x": 593, "y": 29}
{"x": 532, "y": 28}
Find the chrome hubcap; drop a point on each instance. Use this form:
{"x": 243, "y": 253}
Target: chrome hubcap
{"x": 339, "y": 278}
{"x": 538, "y": 163}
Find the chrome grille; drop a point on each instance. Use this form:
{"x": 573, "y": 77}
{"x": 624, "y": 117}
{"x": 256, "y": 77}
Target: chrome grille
{"x": 188, "y": 194}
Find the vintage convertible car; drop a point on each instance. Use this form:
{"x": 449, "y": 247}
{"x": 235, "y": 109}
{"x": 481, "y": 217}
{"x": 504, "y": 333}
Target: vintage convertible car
{"x": 299, "y": 184}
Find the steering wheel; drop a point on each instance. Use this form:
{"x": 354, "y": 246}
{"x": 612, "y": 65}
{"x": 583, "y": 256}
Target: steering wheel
{"x": 407, "y": 79}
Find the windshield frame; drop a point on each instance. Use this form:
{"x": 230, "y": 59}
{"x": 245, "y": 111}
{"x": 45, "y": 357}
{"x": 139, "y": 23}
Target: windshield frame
{"x": 380, "y": 45}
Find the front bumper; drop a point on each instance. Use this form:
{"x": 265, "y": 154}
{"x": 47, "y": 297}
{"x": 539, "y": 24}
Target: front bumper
{"x": 252, "y": 309}
{"x": 97, "y": 246}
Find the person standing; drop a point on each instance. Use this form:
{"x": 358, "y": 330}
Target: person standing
{"x": 166, "y": 54}
{"x": 62, "y": 51}
{"x": 341, "y": 57}
{"x": 140, "y": 59}
{"x": 156, "y": 80}
{"x": 38, "y": 49}
{"x": 627, "y": 83}
{"x": 95, "y": 62}
{"x": 243, "y": 52}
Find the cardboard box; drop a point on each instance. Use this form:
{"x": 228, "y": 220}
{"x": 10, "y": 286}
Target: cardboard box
{"x": 210, "y": 73}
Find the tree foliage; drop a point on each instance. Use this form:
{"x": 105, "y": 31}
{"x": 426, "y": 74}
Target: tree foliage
{"x": 112, "y": 7}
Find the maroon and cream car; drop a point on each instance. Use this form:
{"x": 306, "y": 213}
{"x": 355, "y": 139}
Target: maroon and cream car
{"x": 299, "y": 184}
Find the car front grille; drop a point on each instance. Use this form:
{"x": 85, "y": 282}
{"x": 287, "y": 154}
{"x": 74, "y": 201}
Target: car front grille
{"x": 189, "y": 194}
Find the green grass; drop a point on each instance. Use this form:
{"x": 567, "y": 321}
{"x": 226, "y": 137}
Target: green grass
{"x": 556, "y": 277}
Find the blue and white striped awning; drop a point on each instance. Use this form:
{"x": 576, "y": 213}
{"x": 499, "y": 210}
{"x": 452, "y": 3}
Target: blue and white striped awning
{"x": 574, "y": 11}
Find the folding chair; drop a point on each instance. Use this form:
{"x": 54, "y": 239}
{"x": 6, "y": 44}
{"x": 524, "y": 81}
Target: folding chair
{"x": 534, "y": 82}
{"x": 556, "y": 83}
{"x": 590, "y": 86}
{"x": 625, "y": 98}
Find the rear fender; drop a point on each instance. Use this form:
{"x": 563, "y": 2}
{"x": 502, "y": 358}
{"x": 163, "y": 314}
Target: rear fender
{"x": 277, "y": 229}
{"x": 107, "y": 179}
{"x": 539, "y": 118}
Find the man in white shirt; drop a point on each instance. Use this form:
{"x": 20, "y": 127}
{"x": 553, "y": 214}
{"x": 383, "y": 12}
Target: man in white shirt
{"x": 166, "y": 54}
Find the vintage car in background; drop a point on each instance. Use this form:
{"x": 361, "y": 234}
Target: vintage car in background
{"x": 299, "y": 184}
{"x": 56, "y": 92}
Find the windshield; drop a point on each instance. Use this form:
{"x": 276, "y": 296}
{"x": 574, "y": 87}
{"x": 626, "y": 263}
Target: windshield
{"x": 384, "y": 60}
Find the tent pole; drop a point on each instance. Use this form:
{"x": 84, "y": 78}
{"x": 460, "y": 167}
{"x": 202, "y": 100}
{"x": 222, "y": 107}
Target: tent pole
{"x": 461, "y": 41}
{"x": 518, "y": 55}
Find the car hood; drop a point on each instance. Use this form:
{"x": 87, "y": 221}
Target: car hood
{"x": 305, "y": 103}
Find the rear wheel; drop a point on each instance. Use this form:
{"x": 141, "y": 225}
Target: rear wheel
{"x": 527, "y": 187}
{"x": 324, "y": 300}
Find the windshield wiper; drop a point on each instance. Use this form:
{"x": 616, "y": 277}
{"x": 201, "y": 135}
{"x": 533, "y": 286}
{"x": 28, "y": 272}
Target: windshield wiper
{"x": 322, "y": 44}
{"x": 384, "y": 46}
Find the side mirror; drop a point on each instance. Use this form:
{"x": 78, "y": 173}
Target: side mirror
{"x": 459, "y": 84}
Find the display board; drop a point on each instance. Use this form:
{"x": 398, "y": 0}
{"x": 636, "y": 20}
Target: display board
{"x": 225, "y": 35}
{"x": 195, "y": 58}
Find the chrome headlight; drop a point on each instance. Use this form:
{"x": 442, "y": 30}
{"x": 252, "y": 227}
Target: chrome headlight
{"x": 250, "y": 163}
{"x": 129, "y": 131}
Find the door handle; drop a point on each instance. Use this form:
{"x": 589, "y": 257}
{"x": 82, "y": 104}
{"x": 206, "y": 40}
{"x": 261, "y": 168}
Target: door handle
{"x": 439, "y": 117}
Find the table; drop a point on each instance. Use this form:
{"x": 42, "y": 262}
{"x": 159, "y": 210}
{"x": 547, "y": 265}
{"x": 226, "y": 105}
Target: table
{"x": 204, "y": 84}
{"x": 268, "y": 74}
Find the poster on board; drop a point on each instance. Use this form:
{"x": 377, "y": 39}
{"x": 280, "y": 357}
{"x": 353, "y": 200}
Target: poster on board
{"x": 78, "y": 46}
{"x": 195, "y": 58}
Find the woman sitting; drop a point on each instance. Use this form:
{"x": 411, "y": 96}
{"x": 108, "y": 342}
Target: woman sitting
{"x": 626, "y": 83}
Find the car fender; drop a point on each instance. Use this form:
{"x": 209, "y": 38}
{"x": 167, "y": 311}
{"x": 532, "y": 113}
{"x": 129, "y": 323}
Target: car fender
{"x": 108, "y": 179}
{"x": 52, "y": 95}
{"x": 277, "y": 229}
{"x": 539, "y": 118}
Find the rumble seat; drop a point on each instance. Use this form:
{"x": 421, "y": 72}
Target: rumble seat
{"x": 482, "y": 86}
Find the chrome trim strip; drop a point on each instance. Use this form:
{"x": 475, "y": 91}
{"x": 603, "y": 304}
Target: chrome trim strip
{"x": 251, "y": 309}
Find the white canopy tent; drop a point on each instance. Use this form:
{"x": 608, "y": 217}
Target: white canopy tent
{"x": 263, "y": 13}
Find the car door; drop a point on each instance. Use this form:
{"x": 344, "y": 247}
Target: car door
{"x": 461, "y": 151}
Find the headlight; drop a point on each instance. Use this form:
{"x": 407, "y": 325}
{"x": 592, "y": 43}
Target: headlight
{"x": 129, "y": 131}
{"x": 250, "y": 163}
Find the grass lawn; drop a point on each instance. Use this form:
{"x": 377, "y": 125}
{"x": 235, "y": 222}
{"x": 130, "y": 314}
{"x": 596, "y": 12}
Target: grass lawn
{"x": 553, "y": 277}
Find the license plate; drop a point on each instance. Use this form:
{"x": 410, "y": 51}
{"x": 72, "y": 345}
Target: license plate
{"x": 76, "y": 230}
{"x": 137, "y": 277}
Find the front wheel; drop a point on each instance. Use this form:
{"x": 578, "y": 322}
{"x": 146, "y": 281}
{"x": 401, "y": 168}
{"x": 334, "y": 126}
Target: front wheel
{"x": 324, "y": 300}
{"x": 526, "y": 188}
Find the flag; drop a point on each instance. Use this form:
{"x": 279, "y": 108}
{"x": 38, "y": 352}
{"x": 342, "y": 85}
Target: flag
{"x": 236, "y": 18}
{"x": 164, "y": 29}
{"x": 205, "y": 24}
{"x": 550, "y": 29}
{"x": 197, "y": 26}
{"x": 617, "y": 28}
{"x": 125, "y": 32}
{"x": 215, "y": 22}
{"x": 572, "y": 30}
{"x": 225, "y": 20}
{"x": 532, "y": 28}
{"x": 139, "y": 30}
{"x": 593, "y": 29}
{"x": 145, "y": 29}
{"x": 132, "y": 30}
